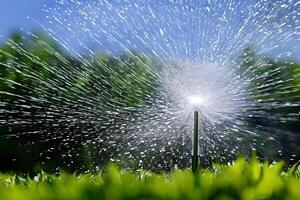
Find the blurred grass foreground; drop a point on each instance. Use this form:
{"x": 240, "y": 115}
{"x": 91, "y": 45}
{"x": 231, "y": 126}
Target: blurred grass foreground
{"x": 240, "y": 180}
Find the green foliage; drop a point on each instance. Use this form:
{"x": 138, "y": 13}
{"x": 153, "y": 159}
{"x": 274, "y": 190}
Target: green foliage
{"x": 275, "y": 92}
{"x": 38, "y": 67}
{"x": 241, "y": 180}
{"x": 271, "y": 80}
{"x": 39, "y": 78}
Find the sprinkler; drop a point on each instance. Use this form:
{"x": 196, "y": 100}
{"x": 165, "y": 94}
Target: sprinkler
{"x": 195, "y": 154}
{"x": 196, "y": 102}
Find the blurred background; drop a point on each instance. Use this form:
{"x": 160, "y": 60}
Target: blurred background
{"x": 43, "y": 95}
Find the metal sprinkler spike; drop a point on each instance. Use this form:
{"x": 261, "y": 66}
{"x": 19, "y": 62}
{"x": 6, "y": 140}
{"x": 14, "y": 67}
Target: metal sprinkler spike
{"x": 195, "y": 154}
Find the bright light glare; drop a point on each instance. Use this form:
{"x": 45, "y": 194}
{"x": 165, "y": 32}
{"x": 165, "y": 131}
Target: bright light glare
{"x": 195, "y": 100}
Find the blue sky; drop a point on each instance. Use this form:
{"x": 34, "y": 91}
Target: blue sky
{"x": 13, "y": 14}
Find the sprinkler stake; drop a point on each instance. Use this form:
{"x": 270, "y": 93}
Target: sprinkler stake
{"x": 195, "y": 155}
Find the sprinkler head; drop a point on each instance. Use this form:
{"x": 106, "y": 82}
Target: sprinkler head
{"x": 195, "y": 153}
{"x": 196, "y": 102}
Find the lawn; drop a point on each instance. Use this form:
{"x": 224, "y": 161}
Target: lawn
{"x": 239, "y": 180}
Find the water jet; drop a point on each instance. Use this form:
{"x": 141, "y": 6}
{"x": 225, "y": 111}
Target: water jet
{"x": 124, "y": 79}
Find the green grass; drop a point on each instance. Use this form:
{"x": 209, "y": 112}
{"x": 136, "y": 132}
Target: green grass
{"x": 241, "y": 180}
